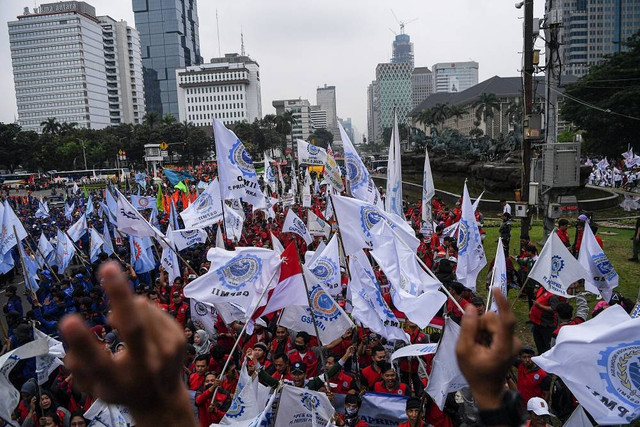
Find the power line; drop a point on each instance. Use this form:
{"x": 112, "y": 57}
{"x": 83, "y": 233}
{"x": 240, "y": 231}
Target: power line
{"x": 589, "y": 105}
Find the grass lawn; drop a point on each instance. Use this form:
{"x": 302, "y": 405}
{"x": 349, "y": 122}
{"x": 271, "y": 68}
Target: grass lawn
{"x": 617, "y": 247}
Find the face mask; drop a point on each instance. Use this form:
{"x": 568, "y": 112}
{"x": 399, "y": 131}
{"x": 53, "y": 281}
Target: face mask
{"x": 299, "y": 347}
{"x": 351, "y": 411}
{"x": 380, "y": 363}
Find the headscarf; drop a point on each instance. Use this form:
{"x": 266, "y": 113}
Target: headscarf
{"x": 205, "y": 344}
{"x": 112, "y": 340}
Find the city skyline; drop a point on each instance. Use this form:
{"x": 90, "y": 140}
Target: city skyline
{"x": 324, "y": 43}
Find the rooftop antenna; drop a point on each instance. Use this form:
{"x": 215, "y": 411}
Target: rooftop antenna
{"x": 218, "y": 31}
{"x": 402, "y": 23}
{"x": 241, "y": 42}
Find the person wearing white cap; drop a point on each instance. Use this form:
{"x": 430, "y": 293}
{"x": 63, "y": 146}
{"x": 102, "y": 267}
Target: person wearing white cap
{"x": 539, "y": 414}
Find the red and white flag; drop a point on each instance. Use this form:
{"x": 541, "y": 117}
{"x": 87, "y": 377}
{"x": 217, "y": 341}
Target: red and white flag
{"x": 290, "y": 289}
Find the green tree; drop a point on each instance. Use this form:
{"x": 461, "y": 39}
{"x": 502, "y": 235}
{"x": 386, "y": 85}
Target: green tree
{"x": 457, "y": 112}
{"x": 11, "y": 149}
{"x": 425, "y": 117}
{"x": 440, "y": 113}
{"x": 51, "y": 126}
{"x": 604, "y": 105}
{"x": 486, "y": 105}
{"x": 321, "y": 137}
{"x": 151, "y": 119}
{"x": 513, "y": 112}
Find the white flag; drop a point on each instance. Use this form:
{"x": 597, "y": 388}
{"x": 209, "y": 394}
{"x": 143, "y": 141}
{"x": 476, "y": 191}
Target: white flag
{"x": 602, "y": 277}
{"x": 393, "y": 199}
{"x": 234, "y": 276}
{"x": 45, "y": 248}
{"x": 333, "y": 173}
{"x": 446, "y": 376}
{"x": 204, "y": 316}
{"x": 108, "y": 415}
{"x": 414, "y": 294}
{"x": 206, "y": 209}
{"x": 298, "y": 404}
{"x": 326, "y": 267}
{"x": 556, "y": 269}
{"x": 78, "y": 229}
{"x": 64, "y": 251}
{"x": 131, "y": 222}
{"x": 369, "y": 308}
{"x": 95, "y": 245}
{"x": 317, "y": 226}
{"x": 142, "y": 202}
{"x": 186, "y": 238}
{"x": 381, "y": 410}
{"x": 414, "y": 350}
{"x": 265, "y": 418}
{"x": 578, "y": 419}
{"x": 219, "y": 237}
{"x": 293, "y": 224}
{"x": 269, "y": 174}
{"x": 8, "y": 238}
{"x": 277, "y": 245}
{"x": 49, "y": 362}
{"x": 244, "y": 405}
{"x": 43, "y": 210}
{"x": 233, "y": 223}
{"x": 356, "y": 219}
{"x": 9, "y": 396}
{"x": 30, "y": 267}
{"x": 331, "y": 320}
{"x": 471, "y": 256}
{"x": 310, "y": 154}
{"x": 428, "y": 191}
{"x": 68, "y": 210}
{"x": 169, "y": 259}
{"x": 106, "y": 237}
{"x": 499, "y": 273}
{"x": 599, "y": 361}
{"x": 361, "y": 185}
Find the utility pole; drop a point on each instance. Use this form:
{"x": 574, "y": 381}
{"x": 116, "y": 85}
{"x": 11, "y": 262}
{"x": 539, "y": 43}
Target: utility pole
{"x": 527, "y": 86}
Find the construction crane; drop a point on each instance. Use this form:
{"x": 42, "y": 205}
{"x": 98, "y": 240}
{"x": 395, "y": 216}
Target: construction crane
{"x": 402, "y": 23}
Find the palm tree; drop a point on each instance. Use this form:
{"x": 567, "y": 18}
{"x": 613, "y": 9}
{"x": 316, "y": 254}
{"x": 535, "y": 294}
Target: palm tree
{"x": 169, "y": 120}
{"x": 68, "y": 127}
{"x": 151, "y": 119}
{"x": 425, "y": 117}
{"x": 457, "y": 112}
{"x": 51, "y": 126}
{"x": 513, "y": 113}
{"x": 485, "y": 106}
{"x": 440, "y": 114}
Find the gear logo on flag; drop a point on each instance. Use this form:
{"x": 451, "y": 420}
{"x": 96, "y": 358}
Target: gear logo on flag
{"x": 239, "y": 156}
{"x": 138, "y": 248}
{"x": 463, "y": 237}
{"x": 323, "y": 305}
{"x": 309, "y": 401}
{"x": 557, "y": 264}
{"x": 299, "y": 227}
{"x": 621, "y": 370}
{"x": 201, "y": 309}
{"x": 312, "y": 149}
{"x": 236, "y": 409}
{"x": 143, "y": 202}
{"x": 604, "y": 266}
{"x": 240, "y": 271}
{"x": 188, "y": 233}
{"x": 325, "y": 269}
{"x": 354, "y": 171}
{"x": 369, "y": 216}
{"x": 205, "y": 201}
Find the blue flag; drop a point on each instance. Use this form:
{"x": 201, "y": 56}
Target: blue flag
{"x": 175, "y": 176}
{"x": 141, "y": 255}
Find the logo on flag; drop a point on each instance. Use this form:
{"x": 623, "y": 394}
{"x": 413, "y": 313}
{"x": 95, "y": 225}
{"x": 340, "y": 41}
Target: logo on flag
{"x": 604, "y": 266}
{"x": 143, "y": 202}
{"x": 325, "y": 268}
{"x": 138, "y": 250}
{"x": 323, "y": 305}
{"x": 236, "y": 409}
{"x": 463, "y": 236}
{"x": 557, "y": 264}
{"x": 312, "y": 149}
{"x": 204, "y": 201}
{"x": 240, "y": 271}
{"x": 369, "y": 216}
{"x": 299, "y": 226}
{"x": 354, "y": 170}
{"x": 201, "y": 309}
{"x": 621, "y": 371}
{"x": 309, "y": 401}
{"x": 239, "y": 156}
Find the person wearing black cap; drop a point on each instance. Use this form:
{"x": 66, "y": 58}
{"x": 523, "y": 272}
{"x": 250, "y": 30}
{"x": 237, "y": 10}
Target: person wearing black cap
{"x": 414, "y": 413}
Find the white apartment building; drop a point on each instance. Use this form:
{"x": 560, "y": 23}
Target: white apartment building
{"x": 454, "y": 76}
{"x": 227, "y": 89}
{"x": 123, "y": 63}
{"x": 60, "y": 65}
{"x": 301, "y": 111}
{"x": 318, "y": 117}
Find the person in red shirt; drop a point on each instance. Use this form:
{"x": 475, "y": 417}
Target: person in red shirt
{"x": 209, "y": 413}
{"x": 231, "y": 377}
{"x": 389, "y": 383}
{"x": 154, "y": 298}
{"x": 532, "y": 381}
{"x": 302, "y": 353}
{"x": 179, "y": 309}
{"x": 340, "y": 383}
{"x": 409, "y": 365}
{"x": 542, "y": 316}
{"x": 260, "y": 352}
{"x": 457, "y": 290}
{"x": 279, "y": 369}
{"x": 563, "y": 234}
{"x": 282, "y": 342}
{"x": 373, "y": 373}
{"x": 414, "y": 412}
{"x": 350, "y": 417}
{"x": 196, "y": 380}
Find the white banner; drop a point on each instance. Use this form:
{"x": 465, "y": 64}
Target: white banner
{"x": 206, "y": 209}
{"x": 326, "y": 267}
{"x": 293, "y": 224}
{"x": 317, "y": 226}
{"x": 187, "y": 238}
{"x": 360, "y": 183}
{"x": 310, "y": 154}
{"x": 300, "y": 407}
{"x": 414, "y": 350}
{"x": 382, "y": 410}
{"x": 143, "y": 202}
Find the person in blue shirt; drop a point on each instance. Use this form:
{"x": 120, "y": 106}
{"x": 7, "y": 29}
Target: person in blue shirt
{"x": 14, "y": 302}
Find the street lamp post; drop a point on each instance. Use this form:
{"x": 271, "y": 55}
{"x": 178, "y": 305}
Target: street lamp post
{"x": 84, "y": 154}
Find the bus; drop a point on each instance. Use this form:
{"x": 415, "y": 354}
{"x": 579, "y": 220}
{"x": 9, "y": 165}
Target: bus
{"x": 17, "y": 179}
{"x": 89, "y": 175}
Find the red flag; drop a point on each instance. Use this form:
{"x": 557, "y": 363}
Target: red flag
{"x": 290, "y": 289}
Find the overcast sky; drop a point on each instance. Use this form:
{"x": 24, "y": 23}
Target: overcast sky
{"x": 301, "y": 45}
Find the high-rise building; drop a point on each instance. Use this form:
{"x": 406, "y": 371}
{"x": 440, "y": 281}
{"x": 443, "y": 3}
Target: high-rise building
{"x": 66, "y": 66}
{"x": 402, "y": 49}
{"x": 318, "y": 117}
{"x": 421, "y": 85}
{"x": 372, "y": 111}
{"x": 170, "y": 40}
{"x": 592, "y": 29}
{"x": 348, "y": 128}
{"x": 123, "y": 64}
{"x": 326, "y": 100}
{"x": 227, "y": 89}
{"x": 300, "y": 110}
{"x": 393, "y": 90}
{"x": 454, "y": 76}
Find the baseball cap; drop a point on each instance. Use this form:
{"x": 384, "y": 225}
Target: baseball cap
{"x": 299, "y": 367}
{"x": 477, "y": 301}
{"x": 528, "y": 349}
{"x": 538, "y": 406}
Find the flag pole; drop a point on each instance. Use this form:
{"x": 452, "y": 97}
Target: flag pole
{"x": 44, "y": 259}
{"x": 313, "y": 316}
{"x": 24, "y": 266}
{"x": 235, "y": 345}
{"x": 78, "y": 253}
